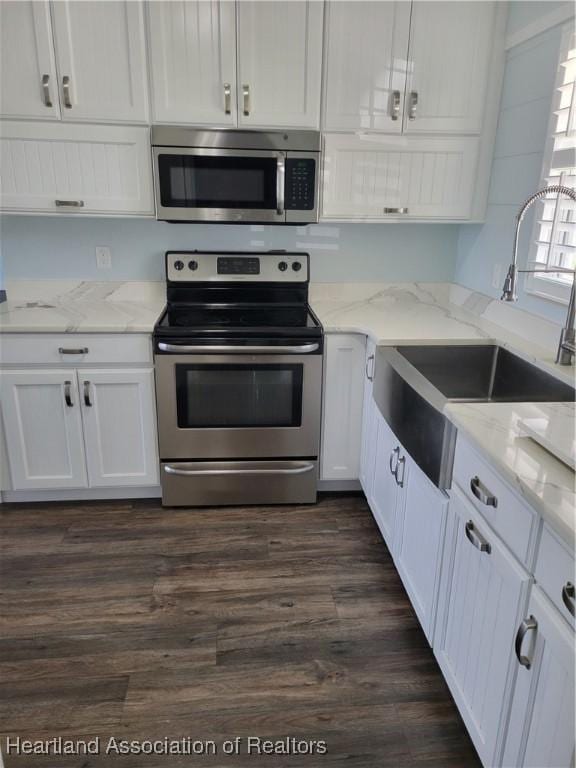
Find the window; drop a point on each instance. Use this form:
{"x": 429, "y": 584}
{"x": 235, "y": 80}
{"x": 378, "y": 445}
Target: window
{"x": 554, "y": 240}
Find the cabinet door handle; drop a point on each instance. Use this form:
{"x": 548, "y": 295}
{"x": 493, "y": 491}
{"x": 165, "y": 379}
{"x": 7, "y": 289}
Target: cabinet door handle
{"x": 69, "y": 203}
{"x": 529, "y": 624}
{"x": 370, "y": 368}
{"x": 476, "y": 538}
{"x": 66, "y": 92}
{"x": 568, "y": 594}
{"x": 482, "y": 493}
{"x": 68, "y": 394}
{"x": 72, "y": 351}
{"x": 403, "y": 211}
{"x": 46, "y": 90}
{"x": 413, "y": 103}
{"x": 394, "y": 467}
{"x": 227, "y": 98}
{"x": 401, "y": 462}
{"x": 87, "y": 401}
{"x": 395, "y": 105}
{"x": 246, "y": 98}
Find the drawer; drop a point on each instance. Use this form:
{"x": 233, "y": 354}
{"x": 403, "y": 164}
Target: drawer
{"x": 45, "y": 348}
{"x": 555, "y": 572}
{"x": 512, "y": 519}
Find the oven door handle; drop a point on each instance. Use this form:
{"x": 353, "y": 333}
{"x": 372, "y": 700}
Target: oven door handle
{"x": 300, "y": 470}
{"x": 296, "y": 349}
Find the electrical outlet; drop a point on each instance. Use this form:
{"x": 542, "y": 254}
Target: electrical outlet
{"x": 497, "y": 278}
{"x": 103, "y": 257}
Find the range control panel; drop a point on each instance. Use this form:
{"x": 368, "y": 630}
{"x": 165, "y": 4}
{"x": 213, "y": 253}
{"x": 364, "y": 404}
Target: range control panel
{"x": 214, "y": 266}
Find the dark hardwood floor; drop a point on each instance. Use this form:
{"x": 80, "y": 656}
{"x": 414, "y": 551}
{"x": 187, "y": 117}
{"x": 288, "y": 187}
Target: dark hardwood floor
{"x": 127, "y": 620}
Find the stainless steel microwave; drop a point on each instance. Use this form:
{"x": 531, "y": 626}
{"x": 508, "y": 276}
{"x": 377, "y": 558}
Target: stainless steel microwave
{"x": 258, "y": 177}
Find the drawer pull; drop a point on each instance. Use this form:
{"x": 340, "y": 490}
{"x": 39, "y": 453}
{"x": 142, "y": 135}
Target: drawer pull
{"x": 394, "y": 467}
{"x": 68, "y": 394}
{"x": 482, "y": 493}
{"x": 73, "y": 351}
{"x": 529, "y": 624}
{"x": 568, "y": 594}
{"x": 476, "y": 538}
{"x": 69, "y": 203}
{"x": 396, "y": 210}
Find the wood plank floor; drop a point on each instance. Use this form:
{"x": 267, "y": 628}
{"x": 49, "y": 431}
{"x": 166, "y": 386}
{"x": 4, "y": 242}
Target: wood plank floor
{"x": 126, "y": 620}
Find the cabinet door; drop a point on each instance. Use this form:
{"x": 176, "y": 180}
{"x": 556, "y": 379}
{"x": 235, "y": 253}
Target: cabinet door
{"x": 448, "y": 66}
{"x": 421, "y": 523}
{"x": 28, "y": 83}
{"x": 118, "y": 412}
{"x": 342, "y": 420}
{"x": 478, "y": 615}
{"x": 386, "y": 494}
{"x": 541, "y": 730}
{"x": 193, "y": 61}
{"x": 100, "y": 48}
{"x": 369, "y": 425}
{"x": 63, "y": 168}
{"x": 373, "y": 177}
{"x": 280, "y": 63}
{"x": 365, "y": 66}
{"x": 41, "y": 413}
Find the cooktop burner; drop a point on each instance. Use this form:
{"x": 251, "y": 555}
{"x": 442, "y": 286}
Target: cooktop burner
{"x": 270, "y": 316}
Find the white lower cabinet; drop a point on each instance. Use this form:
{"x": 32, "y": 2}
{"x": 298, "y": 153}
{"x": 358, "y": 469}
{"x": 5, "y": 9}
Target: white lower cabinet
{"x": 78, "y": 428}
{"x": 541, "y": 729}
{"x": 479, "y": 611}
{"x": 342, "y": 406}
{"x": 369, "y": 425}
{"x": 385, "y": 489}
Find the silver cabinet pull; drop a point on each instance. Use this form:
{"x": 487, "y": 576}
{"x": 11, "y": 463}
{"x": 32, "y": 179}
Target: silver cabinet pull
{"x": 296, "y": 349}
{"x": 401, "y": 462}
{"x": 280, "y": 183}
{"x": 413, "y": 103}
{"x": 395, "y": 105}
{"x": 199, "y": 472}
{"x": 87, "y": 401}
{"x": 246, "y": 99}
{"x": 68, "y": 394}
{"x": 568, "y": 594}
{"x": 69, "y": 203}
{"x": 529, "y": 624}
{"x": 394, "y": 467}
{"x": 370, "y": 368}
{"x": 476, "y": 538}
{"x": 46, "y": 90}
{"x": 227, "y": 98}
{"x": 482, "y": 493}
{"x": 72, "y": 351}
{"x": 396, "y": 210}
{"x": 66, "y": 92}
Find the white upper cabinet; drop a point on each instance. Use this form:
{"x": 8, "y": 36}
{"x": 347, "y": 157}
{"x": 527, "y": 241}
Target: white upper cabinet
{"x": 378, "y": 177}
{"x": 448, "y": 66}
{"x": 192, "y": 45}
{"x": 365, "y": 73}
{"x": 28, "y": 81}
{"x": 279, "y": 63}
{"x": 101, "y": 56}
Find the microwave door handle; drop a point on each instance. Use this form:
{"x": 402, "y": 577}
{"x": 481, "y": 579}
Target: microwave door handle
{"x": 280, "y": 182}
{"x": 293, "y": 349}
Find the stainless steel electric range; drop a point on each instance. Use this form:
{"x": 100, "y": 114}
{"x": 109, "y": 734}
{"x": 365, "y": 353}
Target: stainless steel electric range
{"x": 238, "y": 362}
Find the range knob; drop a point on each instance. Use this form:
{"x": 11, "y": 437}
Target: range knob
{"x": 282, "y": 266}
{"x": 296, "y": 266}
{"x": 193, "y": 265}
{"x": 179, "y": 265}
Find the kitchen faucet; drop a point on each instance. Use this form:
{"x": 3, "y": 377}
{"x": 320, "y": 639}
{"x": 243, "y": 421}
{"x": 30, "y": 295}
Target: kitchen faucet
{"x": 566, "y": 345}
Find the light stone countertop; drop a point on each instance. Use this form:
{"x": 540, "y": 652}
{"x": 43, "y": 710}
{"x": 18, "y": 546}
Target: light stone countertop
{"x": 390, "y": 314}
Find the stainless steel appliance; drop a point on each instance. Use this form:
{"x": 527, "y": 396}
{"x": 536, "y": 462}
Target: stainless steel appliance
{"x": 267, "y": 177}
{"x": 238, "y": 362}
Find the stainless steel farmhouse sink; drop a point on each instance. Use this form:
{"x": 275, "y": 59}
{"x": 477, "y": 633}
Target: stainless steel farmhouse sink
{"x": 485, "y": 373}
{"x": 412, "y": 386}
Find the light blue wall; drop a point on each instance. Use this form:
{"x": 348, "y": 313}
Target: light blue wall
{"x": 54, "y": 247}
{"x": 484, "y": 251}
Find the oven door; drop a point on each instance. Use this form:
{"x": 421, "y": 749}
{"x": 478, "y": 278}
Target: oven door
{"x": 219, "y": 184}
{"x": 239, "y": 405}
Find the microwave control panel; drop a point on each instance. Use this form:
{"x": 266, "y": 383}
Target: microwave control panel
{"x": 300, "y": 184}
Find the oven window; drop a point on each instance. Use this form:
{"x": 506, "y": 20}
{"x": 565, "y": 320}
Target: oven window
{"x": 201, "y": 181}
{"x": 239, "y": 396}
